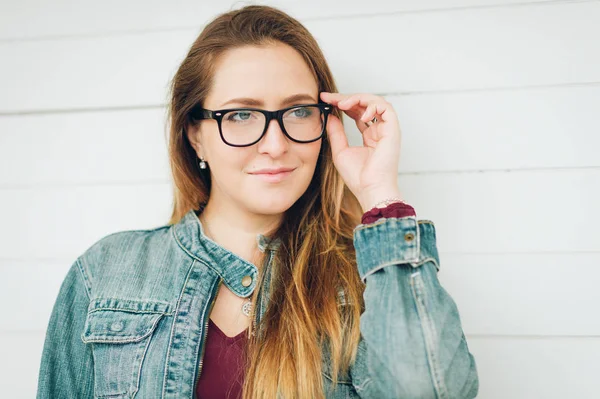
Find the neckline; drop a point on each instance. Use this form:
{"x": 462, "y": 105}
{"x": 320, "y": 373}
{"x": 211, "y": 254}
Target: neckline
{"x": 225, "y": 336}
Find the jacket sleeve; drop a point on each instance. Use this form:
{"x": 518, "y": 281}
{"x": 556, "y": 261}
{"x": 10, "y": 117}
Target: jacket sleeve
{"x": 67, "y": 369}
{"x": 412, "y": 343}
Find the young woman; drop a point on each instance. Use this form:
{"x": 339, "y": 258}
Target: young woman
{"x": 290, "y": 268}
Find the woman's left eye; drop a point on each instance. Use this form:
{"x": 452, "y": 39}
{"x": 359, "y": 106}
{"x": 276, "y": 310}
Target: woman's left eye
{"x": 302, "y": 112}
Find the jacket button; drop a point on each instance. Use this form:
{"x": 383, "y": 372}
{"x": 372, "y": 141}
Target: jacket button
{"x": 246, "y": 281}
{"x": 409, "y": 236}
{"x": 117, "y": 326}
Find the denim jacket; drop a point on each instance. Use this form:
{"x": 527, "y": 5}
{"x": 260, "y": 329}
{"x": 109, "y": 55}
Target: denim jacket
{"x": 131, "y": 316}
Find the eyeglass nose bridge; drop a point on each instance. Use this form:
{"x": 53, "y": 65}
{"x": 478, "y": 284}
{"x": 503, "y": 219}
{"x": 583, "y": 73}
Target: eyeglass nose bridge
{"x": 278, "y": 116}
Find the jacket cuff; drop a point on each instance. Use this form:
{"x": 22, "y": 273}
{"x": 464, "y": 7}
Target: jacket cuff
{"x": 392, "y": 241}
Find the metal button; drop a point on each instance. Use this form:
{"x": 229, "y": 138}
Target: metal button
{"x": 409, "y": 236}
{"x": 117, "y": 326}
{"x": 246, "y": 281}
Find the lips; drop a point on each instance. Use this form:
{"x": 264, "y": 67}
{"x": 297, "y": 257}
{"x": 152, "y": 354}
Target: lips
{"x": 273, "y": 175}
{"x": 272, "y": 171}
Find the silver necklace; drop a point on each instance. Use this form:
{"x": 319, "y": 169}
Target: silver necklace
{"x": 247, "y": 305}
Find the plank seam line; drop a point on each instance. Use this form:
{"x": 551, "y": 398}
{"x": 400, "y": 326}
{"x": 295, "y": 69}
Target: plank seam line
{"x": 56, "y": 111}
{"x": 121, "y": 32}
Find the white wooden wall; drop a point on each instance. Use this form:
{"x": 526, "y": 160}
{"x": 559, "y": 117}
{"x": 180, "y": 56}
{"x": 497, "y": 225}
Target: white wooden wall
{"x": 499, "y": 103}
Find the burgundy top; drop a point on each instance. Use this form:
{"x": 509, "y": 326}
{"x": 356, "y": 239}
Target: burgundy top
{"x": 223, "y": 370}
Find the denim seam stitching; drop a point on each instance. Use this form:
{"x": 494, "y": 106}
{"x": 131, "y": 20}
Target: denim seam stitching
{"x": 175, "y": 313}
{"x": 129, "y": 338}
{"x": 197, "y": 348}
{"x": 339, "y": 381}
{"x": 111, "y": 395}
{"x": 363, "y": 386}
{"x": 137, "y": 383}
{"x": 386, "y": 264}
{"x": 144, "y": 301}
{"x": 425, "y": 260}
{"x": 130, "y": 311}
{"x": 428, "y": 329}
{"x": 380, "y": 221}
{"x": 86, "y": 282}
{"x": 180, "y": 244}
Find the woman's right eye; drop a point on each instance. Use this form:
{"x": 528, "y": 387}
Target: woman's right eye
{"x": 239, "y": 116}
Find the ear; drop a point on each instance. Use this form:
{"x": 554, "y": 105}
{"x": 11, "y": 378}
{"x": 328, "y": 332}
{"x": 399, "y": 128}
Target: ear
{"x": 194, "y": 135}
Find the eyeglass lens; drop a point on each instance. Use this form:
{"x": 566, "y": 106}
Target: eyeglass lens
{"x": 244, "y": 127}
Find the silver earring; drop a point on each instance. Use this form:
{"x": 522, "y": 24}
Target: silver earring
{"x": 202, "y": 163}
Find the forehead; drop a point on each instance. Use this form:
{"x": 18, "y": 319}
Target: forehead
{"x": 269, "y": 73}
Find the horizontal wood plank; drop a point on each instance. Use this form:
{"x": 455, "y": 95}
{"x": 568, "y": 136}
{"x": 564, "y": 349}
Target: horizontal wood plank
{"x": 32, "y": 19}
{"x": 527, "y": 368}
{"x": 64, "y": 222}
{"x": 467, "y": 49}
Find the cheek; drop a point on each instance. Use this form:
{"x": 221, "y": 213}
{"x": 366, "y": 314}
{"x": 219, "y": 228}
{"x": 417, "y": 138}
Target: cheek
{"x": 228, "y": 163}
{"x": 309, "y": 153}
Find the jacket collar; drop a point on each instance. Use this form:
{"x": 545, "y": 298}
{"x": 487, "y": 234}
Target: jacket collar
{"x": 189, "y": 234}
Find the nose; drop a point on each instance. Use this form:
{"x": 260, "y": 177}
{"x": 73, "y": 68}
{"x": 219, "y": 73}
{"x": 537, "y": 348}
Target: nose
{"x": 274, "y": 142}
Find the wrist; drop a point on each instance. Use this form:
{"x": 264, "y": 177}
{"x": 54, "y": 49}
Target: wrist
{"x": 370, "y": 199}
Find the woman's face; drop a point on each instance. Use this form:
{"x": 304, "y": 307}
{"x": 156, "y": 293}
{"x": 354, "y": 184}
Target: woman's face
{"x": 265, "y": 77}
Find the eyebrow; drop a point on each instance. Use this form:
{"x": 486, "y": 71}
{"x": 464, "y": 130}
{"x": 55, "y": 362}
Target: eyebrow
{"x": 256, "y": 102}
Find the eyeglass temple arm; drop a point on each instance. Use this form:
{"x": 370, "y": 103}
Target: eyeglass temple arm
{"x": 201, "y": 113}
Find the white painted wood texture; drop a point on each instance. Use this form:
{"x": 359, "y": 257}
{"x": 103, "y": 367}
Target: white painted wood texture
{"x": 498, "y": 104}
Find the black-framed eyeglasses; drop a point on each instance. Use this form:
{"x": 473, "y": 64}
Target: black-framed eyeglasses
{"x": 243, "y": 127}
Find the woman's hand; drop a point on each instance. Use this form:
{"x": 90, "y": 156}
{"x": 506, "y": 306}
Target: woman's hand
{"x": 370, "y": 171}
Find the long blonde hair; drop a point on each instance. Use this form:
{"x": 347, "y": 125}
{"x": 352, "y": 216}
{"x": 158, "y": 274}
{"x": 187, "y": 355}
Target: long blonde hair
{"x": 316, "y": 259}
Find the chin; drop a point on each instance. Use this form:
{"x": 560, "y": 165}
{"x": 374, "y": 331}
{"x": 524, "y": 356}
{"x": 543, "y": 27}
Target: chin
{"x": 271, "y": 205}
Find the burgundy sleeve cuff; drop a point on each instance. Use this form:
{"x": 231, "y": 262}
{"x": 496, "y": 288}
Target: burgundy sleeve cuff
{"x": 393, "y": 210}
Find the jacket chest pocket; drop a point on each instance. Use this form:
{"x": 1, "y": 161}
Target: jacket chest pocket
{"x": 120, "y": 334}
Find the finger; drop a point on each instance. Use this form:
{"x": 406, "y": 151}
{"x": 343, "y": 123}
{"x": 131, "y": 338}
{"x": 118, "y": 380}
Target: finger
{"x": 351, "y": 107}
{"x": 351, "y": 104}
{"x": 367, "y": 99}
{"x": 381, "y": 110}
{"x": 350, "y": 99}
{"x": 336, "y": 135}
{"x": 362, "y": 122}
{"x": 333, "y": 98}
{"x": 363, "y": 110}
{"x": 369, "y": 113}
{"x": 358, "y": 104}
{"x": 385, "y": 112}
{"x": 355, "y": 106}
{"x": 363, "y": 99}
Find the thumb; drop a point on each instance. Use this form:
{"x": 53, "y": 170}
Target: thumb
{"x": 336, "y": 135}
